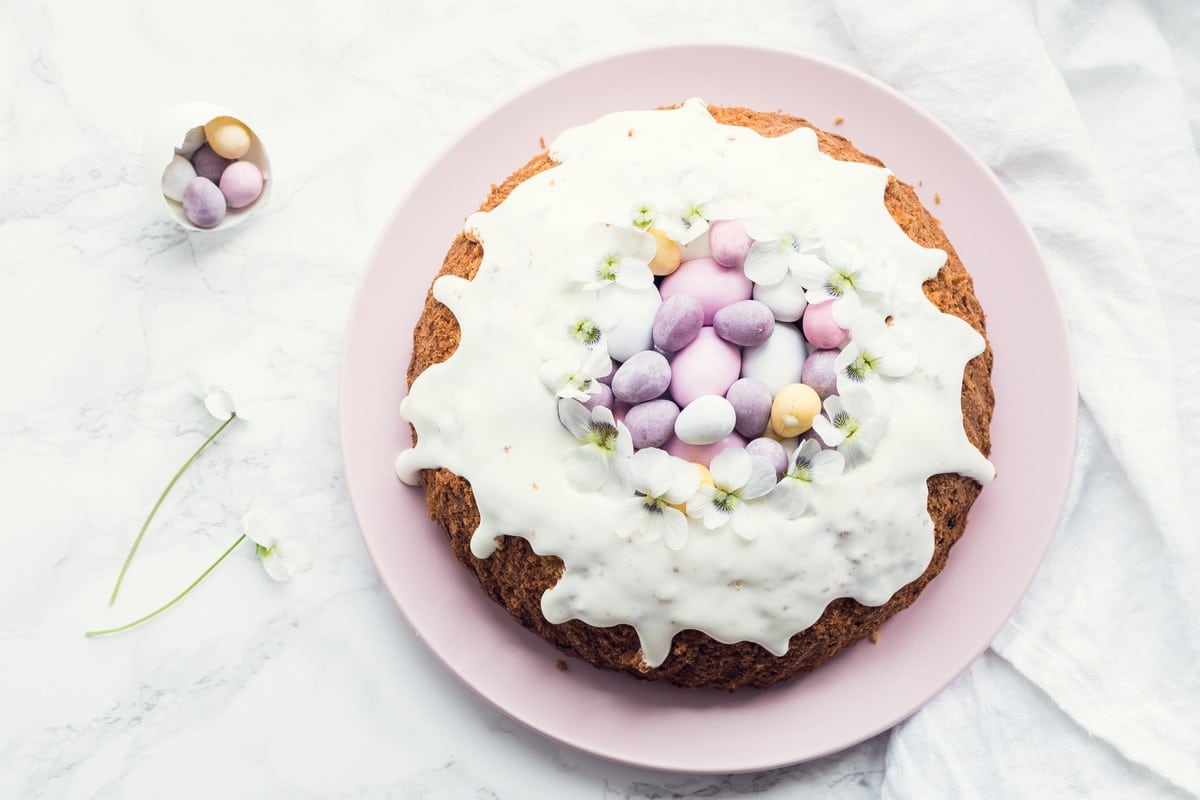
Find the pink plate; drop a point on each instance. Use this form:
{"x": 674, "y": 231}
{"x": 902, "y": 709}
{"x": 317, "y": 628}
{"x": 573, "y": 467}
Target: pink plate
{"x": 869, "y": 687}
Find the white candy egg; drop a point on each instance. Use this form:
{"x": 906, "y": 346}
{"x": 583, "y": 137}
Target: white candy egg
{"x": 705, "y": 420}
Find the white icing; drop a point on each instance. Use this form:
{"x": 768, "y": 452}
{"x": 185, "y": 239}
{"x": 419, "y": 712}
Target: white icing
{"x": 484, "y": 414}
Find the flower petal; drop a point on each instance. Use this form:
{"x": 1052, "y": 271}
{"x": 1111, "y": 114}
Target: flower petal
{"x": 574, "y": 417}
{"x": 587, "y": 468}
{"x": 275, "y": 566}
{"x": 809, "y": 269}
{"x": 715, "y": 517}
{"x": 744, "y": 524}
{"x": 219, "y": 403}
{"x": 634, "y": 274}
{"x": 700, "y": 502}
{"x": 685, "y": 484}
{"x": 731, "y": 468}
{"x": 629, "y": 520}
{"x": 260, "y": 528}
{"x": 766, "y": 263}
{"x": 297, "y": 554}
{"x": 827, "y": 465}
{"x": 675, "y": 528}
{"x": 829, "y": 434}
{"x": 761, "y": 480}
{"x": 790, "y": 497}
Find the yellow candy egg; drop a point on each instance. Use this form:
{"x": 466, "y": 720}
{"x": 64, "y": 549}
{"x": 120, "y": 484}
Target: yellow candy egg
{"x": 706, "y": 479}
{"x": 227, "y": 137}
{"x": 666, "y": 256}
{"x": 793, "y": 409}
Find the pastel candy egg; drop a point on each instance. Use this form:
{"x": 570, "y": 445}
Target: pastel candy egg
{"x": 176, "y": 176}
{"x": 651, "y": 424}
{"x": 241, "y": 183}
{"x": 227, "y": 136}
{"x": 644, "y": 376}
{"x": 709, "y": 365}
{"x": 703, "y": 453}
{"x": 785, "y": 299}
{"x": 602, "y": 398}
{"x": 203, "y": 203}
{"x": 209, "y": 164}
{"x": 820, "y": 373}
{"x": 794, "y": 409}
{"x": 751, "y": 403}
{"x": 747, "y": 323}
{"x": 705, "y": 420}
{"x": 666, "y": 253}
{"x": 677, "y": 322}
{"x": 620, "y": 409}
{"x": 820, "y": 328}
{"x": 713, "y": 285}
{"x": 729, "y": 243}
{"x": 777, "y": 361}
{"x": 632, "y": 331}
{"x": 771, "y": 451}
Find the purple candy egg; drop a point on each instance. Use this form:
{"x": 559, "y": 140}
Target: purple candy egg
{"x": 677, "y": 322}
{"x": 241, "y": 183}
{"x": 747, "y": 323}
{"x": 203, "y": 203}
{"x": 643, "y": 377}
{"x": 772, "y": 451}
{"x": 651, "y": 424}
{"x": 208, "y": 164}
{"x": 729, "y": 243}
{"x": 602, "y": 398}
{"x": 820, "y": 373}
{"x": 751, "y": 401}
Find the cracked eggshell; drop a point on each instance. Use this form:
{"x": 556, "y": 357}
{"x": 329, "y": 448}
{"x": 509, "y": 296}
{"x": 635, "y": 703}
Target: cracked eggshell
{"x": 180, "y": 131}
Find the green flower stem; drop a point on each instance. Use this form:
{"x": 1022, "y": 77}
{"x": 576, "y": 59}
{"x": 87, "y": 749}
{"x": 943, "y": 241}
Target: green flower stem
{"x": 174, "y": 600}
{"x": 145, "y": 525}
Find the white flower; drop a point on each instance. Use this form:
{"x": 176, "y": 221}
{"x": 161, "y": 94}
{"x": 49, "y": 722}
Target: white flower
{"x": 843, "y": 276}
{"x": 281, "y": 557}
{"x": 661, "y": 482}
{"x": 607, "y": 446}
{"x": 642, "y": 215}
{"x": 611, "y": 254}
{"x": 737, "y": 477}
{"x": 783, "y": 243}
{"x": 809, "y": 464}
{"x": 852, "y": 425}
{"x": 697, "y": 204}
{"x": 576, "y": 378}
{"x": 874, "y": 349}
{"x": 217, "y": 397}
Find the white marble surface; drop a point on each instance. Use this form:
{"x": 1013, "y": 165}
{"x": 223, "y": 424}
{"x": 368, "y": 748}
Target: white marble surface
{"x": 316, "y": 688}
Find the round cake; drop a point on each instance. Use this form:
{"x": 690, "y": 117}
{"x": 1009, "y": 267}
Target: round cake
{"x": 701, "y": 394}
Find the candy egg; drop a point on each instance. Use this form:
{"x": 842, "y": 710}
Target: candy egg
{"x": 709, "y": 365}
{"x": 666, "y": 253}
{"x": 703, "y": 453}
{"x": 209, "y": 164}
{"x": 227, "y": 136}
{"x": 241, "y": 183}
{"x": 820, "y": 328}
{"x": 176, "y": 176}
{"x": 713, "y": 285}
{"x": 602, "y": 398}
{"x": 747, "y": 323}
{"x": 785, "y": 299}
{"x": 620, "y": 409}
{"x": 642, "y": 377}
{"x": 820, "y": 373}
{"x": 770, "y": 450}
{"x": 651, "y": 424}
{"x": 203, "y": 203}
{"x": 705, "y": 420}
{"x": 751, "y": 403}
{"x": 729, "y": 243}
{"x": 677, "y": 322}
{"x": 632, "y": 331}
{"x": 777, "y": 361}
{"x": 794, "y": 409}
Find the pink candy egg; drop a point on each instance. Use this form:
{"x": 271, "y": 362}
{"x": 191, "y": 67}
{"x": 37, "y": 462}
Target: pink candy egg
{"x": 729, "y": 243}
{"x": 820, "y": 328}
{"x": 710, "y": 283}
{"x": 709, "y": 365}
{"x": 703, "y": 453}
{"x": 241, "y": 183}
{"x": 820, "y": 373}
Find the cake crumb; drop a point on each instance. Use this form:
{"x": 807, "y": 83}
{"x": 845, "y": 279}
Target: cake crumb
{"x": 534, "y": 485}
{"x": 560, "y": 665}
{"x": 735, "y": 585}
{"x": 937, "y": 199}
{"x": 920, "y": 183}
{"x": 629, "y": 133}
{"x": 542, "y": 142}
{"x": 874, "y": 637}
{"x": 838, "y": 120}
{"x": 507, "y": 447}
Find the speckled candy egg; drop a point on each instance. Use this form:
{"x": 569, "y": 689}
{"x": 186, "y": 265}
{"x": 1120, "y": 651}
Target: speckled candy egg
{"x": 821, "y": 329}
{"x": 604, "y": 397}
{"x": 747, "y": 323}
{"x": 651, "y": 424}
{"x": 229, "y": 137}
{"x": 203, "y": 203}
{"x": 713, "y": 285}
{"x": 209, "y": 164}
{"x": 709, "y": 365}
{"x": 751, "y": 402}
{"x": 677, "y": 322}
{"x": 820, "y": 373}
{"x": 729, "y": 243}
{"x": 643, "y": 377}
{"x": 778, "y": 361}
{"x": 771, "y": 451}
{"x": 241, "y": 183}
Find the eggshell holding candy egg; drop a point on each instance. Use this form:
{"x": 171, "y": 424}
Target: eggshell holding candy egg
{"x": 778, "y": 361}
{"x": 710, "y": 283}
{"x": 709, "y": 365}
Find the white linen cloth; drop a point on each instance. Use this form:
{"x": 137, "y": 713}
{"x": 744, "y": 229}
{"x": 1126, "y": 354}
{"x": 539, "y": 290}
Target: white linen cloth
{"x": 1089, "y": 114}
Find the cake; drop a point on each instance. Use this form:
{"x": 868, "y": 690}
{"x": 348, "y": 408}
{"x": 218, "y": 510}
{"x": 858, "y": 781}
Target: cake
{"x": 647, "y": 469}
